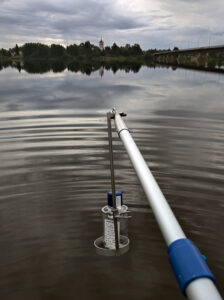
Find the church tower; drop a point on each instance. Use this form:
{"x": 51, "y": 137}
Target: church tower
{"x": 101, "y": 44}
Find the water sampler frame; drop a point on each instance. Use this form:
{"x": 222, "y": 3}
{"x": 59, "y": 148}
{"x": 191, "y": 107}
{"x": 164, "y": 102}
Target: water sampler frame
{"x": 114, "y": 241}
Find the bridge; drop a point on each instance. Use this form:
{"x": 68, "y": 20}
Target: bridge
{"x": 188, "y": 57}
{"x": 192, "y": 50}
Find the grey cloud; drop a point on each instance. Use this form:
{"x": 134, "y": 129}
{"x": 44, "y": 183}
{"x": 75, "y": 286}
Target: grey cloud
{"x": 219, "y": 33}
{"x": 79, "y": 20}
{"x": 79, "y": 16}
{"x": 90, "y": 22}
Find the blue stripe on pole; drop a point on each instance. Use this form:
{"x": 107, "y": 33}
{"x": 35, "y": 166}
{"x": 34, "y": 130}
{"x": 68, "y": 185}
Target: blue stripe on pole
{"x": 187, "y": 262}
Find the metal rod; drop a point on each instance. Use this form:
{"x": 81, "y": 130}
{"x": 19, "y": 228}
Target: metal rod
{"x": 109, "y": 116}
{"x": 198, "y": 289}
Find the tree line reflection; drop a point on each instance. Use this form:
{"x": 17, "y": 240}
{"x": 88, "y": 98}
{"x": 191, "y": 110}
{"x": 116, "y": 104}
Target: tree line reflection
{"x": 85, "y": 67}
{"x": 57, "y": 66}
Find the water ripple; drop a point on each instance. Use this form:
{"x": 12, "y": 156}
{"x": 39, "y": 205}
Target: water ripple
{"x": 55, "y": 176}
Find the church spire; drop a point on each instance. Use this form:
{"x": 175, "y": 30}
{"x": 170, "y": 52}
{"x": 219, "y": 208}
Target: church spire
{"x": 101, "y": 44}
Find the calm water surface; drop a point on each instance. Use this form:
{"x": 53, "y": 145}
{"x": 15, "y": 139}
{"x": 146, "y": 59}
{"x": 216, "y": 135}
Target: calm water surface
{"x": 55, "y": 176}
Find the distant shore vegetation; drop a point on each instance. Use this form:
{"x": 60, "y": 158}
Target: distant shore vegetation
{"x": 83, "y": 51}
{"x": 86, "y": 54}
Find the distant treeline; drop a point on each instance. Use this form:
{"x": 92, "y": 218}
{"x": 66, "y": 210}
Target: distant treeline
{"x": 83, "y": 50}
{"x": 114, "y": 55}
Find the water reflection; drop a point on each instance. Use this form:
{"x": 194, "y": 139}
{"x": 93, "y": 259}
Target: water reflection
{"x": 55, "y": 175}
{"x": 85, "y": 67}
{"x": 101, "y": 71}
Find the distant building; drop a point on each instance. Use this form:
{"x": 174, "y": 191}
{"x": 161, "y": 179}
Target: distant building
{"x": 101, "y": 44}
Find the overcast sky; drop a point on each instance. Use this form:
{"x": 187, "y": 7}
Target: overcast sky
{"x": 150, "y": 23}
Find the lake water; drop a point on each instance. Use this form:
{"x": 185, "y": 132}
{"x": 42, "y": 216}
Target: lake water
{"x": 55, "y": 177}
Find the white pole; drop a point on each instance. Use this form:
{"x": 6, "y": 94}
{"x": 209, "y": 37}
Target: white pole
{"x": 165, "y": 218}
{"x": 202, "y": 289}
{"x": 198, "y": 289}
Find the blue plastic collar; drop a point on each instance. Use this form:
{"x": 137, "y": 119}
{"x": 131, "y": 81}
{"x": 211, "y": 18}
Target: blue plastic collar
{"x": 110, "y": 199}
{"x": 187, "y": 262}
